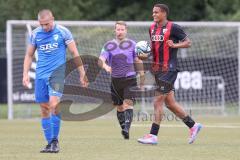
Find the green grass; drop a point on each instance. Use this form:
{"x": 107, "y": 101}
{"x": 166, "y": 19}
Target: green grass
{"x": 29, "y": 110}
{"x": 100, "y": 139}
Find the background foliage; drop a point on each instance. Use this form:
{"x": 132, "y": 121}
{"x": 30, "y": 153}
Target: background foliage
{"x": 181, "y": 10}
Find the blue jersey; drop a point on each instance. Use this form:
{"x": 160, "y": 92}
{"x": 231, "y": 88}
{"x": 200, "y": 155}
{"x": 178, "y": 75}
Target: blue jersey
{"x": 51, "y": 47}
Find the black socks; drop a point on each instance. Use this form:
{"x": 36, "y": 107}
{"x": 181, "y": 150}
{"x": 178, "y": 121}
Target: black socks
{"x": 121, "y": 119}
{"x": 188, "y": 121}
{"x": 154, "y": 129}
{"x": 128, "y": 118}
{"x": 125, "y": 118}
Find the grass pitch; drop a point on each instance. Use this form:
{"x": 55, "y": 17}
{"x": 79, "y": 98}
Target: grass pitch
{"x": 100, "y": 139}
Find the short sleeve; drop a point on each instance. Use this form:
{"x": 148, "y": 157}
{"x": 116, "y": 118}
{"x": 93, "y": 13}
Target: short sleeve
{"x": 67, "y": 35}
{"x": 104, "y": 53}
{"x": 178, "y": 32}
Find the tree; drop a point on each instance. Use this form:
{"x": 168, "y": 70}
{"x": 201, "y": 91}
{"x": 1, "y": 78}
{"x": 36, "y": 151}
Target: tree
{"x": 222, "y": 10}
{"x": 131, "y": 10}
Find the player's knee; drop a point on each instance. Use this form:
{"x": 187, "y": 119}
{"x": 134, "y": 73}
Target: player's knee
{"x": 45, "y": 110}
{"x": 54, "y": 107}
{"x": 170, "y": 103}
{"x": 53, "y": 104}
{"x": 120, "y": 108}
{"x": 128, "y": 104}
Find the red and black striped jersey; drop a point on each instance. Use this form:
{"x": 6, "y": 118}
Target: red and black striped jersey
{"x": 164, "y": 57}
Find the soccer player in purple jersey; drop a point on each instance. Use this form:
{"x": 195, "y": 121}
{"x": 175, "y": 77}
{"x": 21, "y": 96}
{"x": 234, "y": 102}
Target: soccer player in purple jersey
{"x": 51, "y": 41}
{"x": 118, "y": 58}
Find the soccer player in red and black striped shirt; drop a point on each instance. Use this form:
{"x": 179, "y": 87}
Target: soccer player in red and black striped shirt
{"x": 166, "y": 37}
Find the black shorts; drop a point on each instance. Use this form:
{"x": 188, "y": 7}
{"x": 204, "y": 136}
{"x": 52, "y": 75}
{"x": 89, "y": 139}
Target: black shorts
{"x": 120, "y": 89}
{"x": 165, "y": 81}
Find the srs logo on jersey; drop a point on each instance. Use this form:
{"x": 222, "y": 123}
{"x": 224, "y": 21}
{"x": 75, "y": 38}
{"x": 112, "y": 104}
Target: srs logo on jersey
{"x": 48, "y": 47}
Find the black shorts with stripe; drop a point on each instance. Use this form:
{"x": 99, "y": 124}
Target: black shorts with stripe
{"x": 121, "y": 89}
{"x": 165, "y": 81}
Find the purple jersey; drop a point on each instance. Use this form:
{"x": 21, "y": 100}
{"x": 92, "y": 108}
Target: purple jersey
{"x": 120, "y": 56}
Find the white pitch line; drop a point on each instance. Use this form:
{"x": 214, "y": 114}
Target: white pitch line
{"x": 182, "y": 126}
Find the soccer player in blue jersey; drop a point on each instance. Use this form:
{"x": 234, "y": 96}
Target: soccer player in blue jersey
{"x": 166, "y": 37}
{"x": 50, "y": 40}
{"x": 118, "y": 57}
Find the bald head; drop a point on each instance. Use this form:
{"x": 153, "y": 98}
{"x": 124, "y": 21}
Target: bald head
{"x": 45, "y": 13}
{"x": 45, "y": 18}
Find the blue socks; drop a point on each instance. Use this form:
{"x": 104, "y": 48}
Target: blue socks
{"x": 56, "y": 122}
{"x": 47, "y": 129}
{"x": 51, "y": 127}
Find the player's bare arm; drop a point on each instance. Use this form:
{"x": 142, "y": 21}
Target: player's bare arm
{"x": 102, "y": 64}
{"x": 140, "y": 70}
{"x": 27, "y": 64}
{"x": 78, "y": 61}
{"x": 186, "y": 43}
